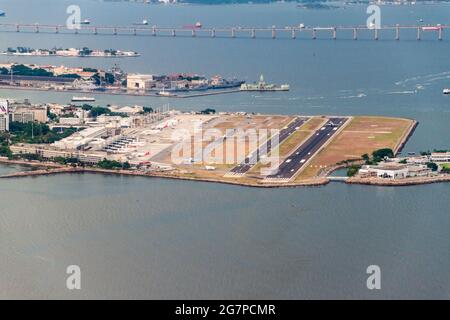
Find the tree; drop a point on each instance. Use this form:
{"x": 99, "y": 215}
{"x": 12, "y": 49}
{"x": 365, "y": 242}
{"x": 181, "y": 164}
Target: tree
{"x": 98, "y": 111}
{"x": 147, "y": 110}
{"x": 86, "y": 107}
{"x": 352, "y": 170}
{"x": 208, "y": 111}
{"x": 126, "y": 166}
{"x": 433, "y": 166}
{"x": 380, "y": 154}
{"x": 22, "y": 70}
{"x": 109, "y": 164}
{"x": 365, "y": 157}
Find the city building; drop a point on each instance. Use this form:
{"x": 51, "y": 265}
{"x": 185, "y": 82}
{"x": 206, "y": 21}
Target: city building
{"x": 139, "y": 81}
{"x": 4, "y": 115}
{"x": 81, "y": 139}
{"x": 392, "y": 170}
{"x": 24, "y": 114}
{"x": 71, "y": 121}
{"x": 440, "y": 157}
{"x": 127, "y": 110}
{"x": 47, "y": 152}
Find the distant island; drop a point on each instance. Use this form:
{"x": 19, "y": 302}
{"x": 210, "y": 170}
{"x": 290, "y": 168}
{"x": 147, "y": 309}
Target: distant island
{"x": 71, "y": 52}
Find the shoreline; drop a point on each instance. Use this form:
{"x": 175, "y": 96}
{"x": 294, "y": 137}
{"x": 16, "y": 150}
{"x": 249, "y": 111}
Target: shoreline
{"x": 53, "y": 169}
{"x": 399, "y": 183}
{"x": 323, "y": 178}
{"x": 194, "y": 94}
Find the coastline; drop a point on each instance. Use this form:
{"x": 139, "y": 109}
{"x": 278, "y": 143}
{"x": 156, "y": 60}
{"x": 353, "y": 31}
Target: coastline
{"x": 53, "y": 169}
{"x": 194, "y": 94}
{"x": 322, "y": 179}
{"x": 399, "y": 183}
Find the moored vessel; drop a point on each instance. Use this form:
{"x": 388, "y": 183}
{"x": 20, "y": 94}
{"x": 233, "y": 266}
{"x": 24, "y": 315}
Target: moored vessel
{"x": 83, "y": 99}
{"x": 263, "y": 86}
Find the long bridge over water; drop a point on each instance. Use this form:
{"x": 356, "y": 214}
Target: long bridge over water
{"x": 332, "y": 32}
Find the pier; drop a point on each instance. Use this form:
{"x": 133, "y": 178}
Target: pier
{"x": 332, "y": 32}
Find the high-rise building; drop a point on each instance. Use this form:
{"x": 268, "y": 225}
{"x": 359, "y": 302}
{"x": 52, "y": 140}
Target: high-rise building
{"x": 4, "y": 116}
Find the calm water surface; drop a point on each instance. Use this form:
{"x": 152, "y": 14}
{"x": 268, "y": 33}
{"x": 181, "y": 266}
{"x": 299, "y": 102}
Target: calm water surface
{"x": 151, "y": 238}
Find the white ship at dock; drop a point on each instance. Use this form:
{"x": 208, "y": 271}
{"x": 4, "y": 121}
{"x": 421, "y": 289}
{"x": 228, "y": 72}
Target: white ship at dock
{"x": 263, "y": 86}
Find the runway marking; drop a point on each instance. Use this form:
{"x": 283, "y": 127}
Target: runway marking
{"x": 362, "y": 131}
{"x": 233, "y": 175}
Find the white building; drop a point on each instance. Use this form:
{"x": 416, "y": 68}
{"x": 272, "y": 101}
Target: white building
{"x": 4, "y": 115}
{"x": 440, "y": 157}
{"x": 139, "y": 81}
{"x": 395, "y": 171}
{"x": 80, "y": 139}
{"x": 127, "y": 109}
{"x": 72, "y": 121}
{"x": 24, "y": 114}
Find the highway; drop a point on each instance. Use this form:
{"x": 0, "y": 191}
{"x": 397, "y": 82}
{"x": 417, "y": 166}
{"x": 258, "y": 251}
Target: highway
{"x": 307, "y": 150}
{"x": 252, "y": 159}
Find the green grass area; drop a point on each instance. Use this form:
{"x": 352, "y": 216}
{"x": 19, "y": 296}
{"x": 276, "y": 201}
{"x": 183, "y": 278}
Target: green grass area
{"x": 33, "y": 132}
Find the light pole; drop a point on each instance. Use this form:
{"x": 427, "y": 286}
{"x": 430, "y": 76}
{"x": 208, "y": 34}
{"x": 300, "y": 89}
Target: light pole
{"x": 11, "y": 72}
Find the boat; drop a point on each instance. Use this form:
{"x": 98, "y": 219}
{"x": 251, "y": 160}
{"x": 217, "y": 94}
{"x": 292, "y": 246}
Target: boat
{"x": 80, "y": 84}
{"x": 164, "y": 93}
{"x": 85, "y": 21}
{"x": 432, "y": 28}
{"x": 143, "y": 23}
{"x": 83, "y": 99}
{"x": 217, "y": 82}
{"x": 197, "y": 25}
{"x": 446, "y": 91}
{"x": 263, "y": 86}
{"x": 2, "y": 13}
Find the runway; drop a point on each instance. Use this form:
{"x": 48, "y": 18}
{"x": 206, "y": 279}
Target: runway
{"x": 308, "y": 149}
{"x": 254, "y": 158}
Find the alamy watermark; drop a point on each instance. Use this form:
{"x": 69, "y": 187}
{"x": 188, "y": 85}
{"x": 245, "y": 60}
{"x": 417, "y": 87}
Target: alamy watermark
{"x": 374, "y": 280}
{"x": 73, "y": 22}
{"x": 73, "y": 281}
{"x": 374, "y": 20}
{"x": 232, "y": 146}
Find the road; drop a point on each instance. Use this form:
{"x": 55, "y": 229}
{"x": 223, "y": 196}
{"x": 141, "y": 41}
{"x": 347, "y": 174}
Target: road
{"x": 307, "y": 150}
{"x": 252, "y": 159}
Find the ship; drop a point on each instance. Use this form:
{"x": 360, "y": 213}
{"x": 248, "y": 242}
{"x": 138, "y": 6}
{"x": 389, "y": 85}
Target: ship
{"x": 432, "y": 28}
{"x": 143, "y": 23}
{"x": 263, "y": 86}
{"x": 83, "y": 99}
{"x": 85, "y": 21}
{"x": 197, "y": 25}
{"x": 217, "y": 82}
{"x": 446, "y": 91}
{"x": 2, "y": 13}
{"x": 164, "y": 93}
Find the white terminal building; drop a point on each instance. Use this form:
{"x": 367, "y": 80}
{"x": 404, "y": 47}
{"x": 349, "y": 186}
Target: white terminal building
{"x": 92, "y": 136}
{"x": 395, "y": 170}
